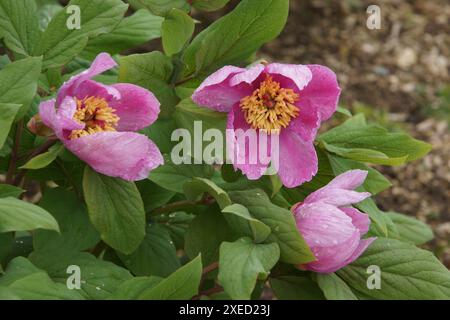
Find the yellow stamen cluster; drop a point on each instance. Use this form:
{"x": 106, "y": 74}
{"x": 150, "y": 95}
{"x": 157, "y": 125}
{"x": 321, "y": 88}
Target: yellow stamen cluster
{"x": 270, "y": 107}
{"x": 96, "y": 114}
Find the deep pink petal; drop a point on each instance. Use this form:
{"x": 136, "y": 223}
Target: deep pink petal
{"x": 217, "y": 93}
{"x": 127, "y": 155}
{"x": 297, "y": 159}
{"x": 322, "y": 92}
{"x": 306, "y": 124}
{"x": 90, "y": 88}
{"x": 301, "y": 75}
{"x": 239, "y": 149}
{"x": 360, "y": 220}
{"x": 137, "y": 108}
{"x": 102, "y": 63}
{"x": 349, "y": 180}
{"x": 323, "y": 225}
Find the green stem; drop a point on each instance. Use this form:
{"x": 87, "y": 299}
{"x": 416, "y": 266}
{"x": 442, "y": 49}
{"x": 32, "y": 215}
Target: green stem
{"x": 14, "y": 154}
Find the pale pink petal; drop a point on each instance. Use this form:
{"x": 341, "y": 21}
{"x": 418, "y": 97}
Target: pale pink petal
{"x": 127, "y": 155}
{"x": 349, "y": 180}
{"x": 322, "y": 92}
{"x": 297, "y": 159}
{"x": 323, "y": 225}
{"x": 337, "y": 197}
{"x": 102, "y": 63}
{"x": 362, "y": 247}
{"x": 301, "y": 75}
{"x": 217, "y": 93}
{"x": 243, "y": 153}
{"x": 47, "y": 113}
{"x": 248, "y": 76}
{"x": 137, "y": 108}
{"x": 360, "y": 220}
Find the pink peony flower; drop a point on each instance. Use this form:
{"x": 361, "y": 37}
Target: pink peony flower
{"x": 288, "y": 100}
{"x": 330, "y": 226}
{"x": 97, "y": 122}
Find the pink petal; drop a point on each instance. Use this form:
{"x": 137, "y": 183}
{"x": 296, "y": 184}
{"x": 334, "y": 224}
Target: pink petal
{"x": 217, "y": 93}
{"x": 323, "y": 225}
{"x": 349, "y": 180}
{"x": 248, "y": 76}
{"x": 47, "y": 112}
{"x": 298, "y": 159}
{"x": 322, "y": 92}
{"x": 337, "y": 197}
{"x": 306, "y": 124}
{"x": 102, "y": 63}
{"x": 301, "y": 75}
{"x": 127, "y": 155}
{"x": 90, "y": 88}
{"x": 137, "y": 108}
{"x": 239, "y": 151}
{"x": 363, "y": 245}
{"x": 360, "y": 220}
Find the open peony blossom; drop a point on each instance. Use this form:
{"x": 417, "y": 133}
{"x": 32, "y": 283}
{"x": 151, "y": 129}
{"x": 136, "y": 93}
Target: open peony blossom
{"x": 331, "y": 226}
{"x": 97, "y": 122}
{"x": 288, "y": 100}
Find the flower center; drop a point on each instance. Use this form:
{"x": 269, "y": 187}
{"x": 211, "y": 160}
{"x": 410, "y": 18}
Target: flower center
{"x": 96, "y": 114}
{"x": 270, "y": 107}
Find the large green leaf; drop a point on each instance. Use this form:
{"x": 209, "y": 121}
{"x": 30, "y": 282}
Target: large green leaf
{"x": 295, "y": 288}
{"x": 236, "y": 36}
{"x": 19, "y": 25}
{"x": 18, "y": 83}
{"x": 177, "y": 30}
{"x": 132, "y": 288}
{"x": 156, "y": 256}
{"x": 198, "y": 186}
{"x": 77, "y": 233}
{"x": 293, "y": 247}
{"x": 241, "y": 221}
{"x": 209, "y": 5}
{"x": 7, "y": 116}
{"x": 242, "y": 262}
{"x": 116, "y": 210}
{"x": 17, "y": 215}
{"x": 410, "y": 229}
{"x": 406, "y": 272}
{"x": 132, "y": 31}
{"x": 7, "y": 190}
{"x": 183, "y": 284}
{"x": 173, "y": 177}
{"x": 152, "y": 71}
{"x": 99, "y": 279}
{"x": 160, "y": 7}
{"x": 60, "y": 44}
{"x": 356, "y": 140}
{"x": 334, "y": 288}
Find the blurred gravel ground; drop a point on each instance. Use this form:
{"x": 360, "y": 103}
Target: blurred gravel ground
{"x": 398, "y": 74}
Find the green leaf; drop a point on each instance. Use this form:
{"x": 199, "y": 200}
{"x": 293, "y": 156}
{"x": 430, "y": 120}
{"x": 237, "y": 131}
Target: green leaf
{"x": 153, "y": 195}
{"x": 77, "y": 233}
{"x": 242, "y": 263}
{"x": 152, "y": 71}
{"x": 17, "y": 215}
{"x": 209, "y": 5}
{"x": 99, "y": 279}
{"x": 381, "y": 221}
{"x": 155, "y": 256}
{"x": 183, "y": 284}
{"x": 19, "y": 25}
{"x": 132, "y": 31}
{"x": 18, "y": 83}
{"x": 356, "y": 140}
{"x": 177, "y": 30}
{"x": 7, "y": 116}
{"x": 236, "y": 36}
{"x": 334, "y": 288}
{"x": 44, "y": 159}
{"x": 205, "y": 234}
{"x": 26, "y": 281}
{"x": 160, "y": 7}
{"x": 410, "y": 229}
{"x": 295, "y": 288}
{"x": 173, "y": 177}
{"x": 406, "y": 272}
{"x": 7, "y": 190}
{"x": 116, "y": 210}
{"x": 160, "y": 132}
{"x": 131, "y": 289}
{"x": 176, "y": 223}
{"x": 60, "y": 44}
{"x": 243, "y": 223}
{"x": 293, "y": 247}
{"x": 375, "y": 181}
{"x": 195, "y": 189}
